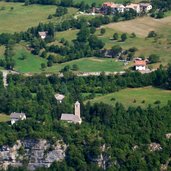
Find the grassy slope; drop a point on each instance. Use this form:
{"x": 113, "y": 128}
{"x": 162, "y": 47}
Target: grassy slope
{"x": 32, "y": 63}
{"x": 141, "y": 27}
{"x": 23, "y": 17}
{"x": 127, "y": 96}
{"x": 91, "y": 65}
{"x": 4, "y": 118}
{"x": 101, "y": 1}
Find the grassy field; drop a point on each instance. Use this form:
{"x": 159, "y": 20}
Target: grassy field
{"x": 67, "y": 35}
{"x": 22, "y": 17}
{"x": 136, "y": 96}
{"x": 4, "y": 118}
{"x": 141, "y": 28}
{"x": 31, "y": 63}
{"x": 91, "y": 65}
{"x": 101, "y": 1}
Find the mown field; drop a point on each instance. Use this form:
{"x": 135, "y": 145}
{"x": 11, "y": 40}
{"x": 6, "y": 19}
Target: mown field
{"x": 91, "y": 65}
{"x": 136, "y": 97}
{"x": 15, "y": 17}
{"x": 4, "y": 118}
{"x": 101, "y": 1}
{"x": 141, "y": 27}
{"x": 31, "y": 63}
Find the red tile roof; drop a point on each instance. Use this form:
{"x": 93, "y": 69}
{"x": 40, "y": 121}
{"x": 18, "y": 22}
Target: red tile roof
{"x": 139, "y": 63}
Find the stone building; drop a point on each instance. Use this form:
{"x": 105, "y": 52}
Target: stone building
{"x": 73, "y": 118}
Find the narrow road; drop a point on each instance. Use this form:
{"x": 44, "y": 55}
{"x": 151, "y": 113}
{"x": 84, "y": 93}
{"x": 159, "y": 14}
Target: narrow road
{"x": 5, "y": 75}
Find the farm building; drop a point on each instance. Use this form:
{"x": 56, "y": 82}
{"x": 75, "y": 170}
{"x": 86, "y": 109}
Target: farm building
{"x": 42, "y": 34}
{"x": 145, "y": 7}
{"x": 140, "y": 65}
{"x": 17, "y": 117}
{"x": 59, "y": 97}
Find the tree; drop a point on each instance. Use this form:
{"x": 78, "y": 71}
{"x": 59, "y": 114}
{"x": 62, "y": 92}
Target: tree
{"x": 75, "y": 67}
{"x": 153, "y": 58}
{"x": 116, "y": 50}
{"x": 95, "y": 43}
{"x": 152, "y": 34}
{"x": 102, "y": 31}
{"x": 115, "y": 36}
{"x": 83, "y": 34}
{"x": 123, "y": 37}
{"x": 92, "y": 30}
{"x": 43, "y": 66}
{"x": 60, "y": 11}
{"x": 27, "y": 2}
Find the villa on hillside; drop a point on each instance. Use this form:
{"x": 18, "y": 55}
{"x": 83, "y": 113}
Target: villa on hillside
{"x": 140, "y": 65}
{"x": 43, "y": 34}
{"x": 15, "y": 117}
{"x": 73, "y": 118}
{"x": 135, "y": 7}
{"x": 59, "y": 97}
{"x": 141, "y": 7}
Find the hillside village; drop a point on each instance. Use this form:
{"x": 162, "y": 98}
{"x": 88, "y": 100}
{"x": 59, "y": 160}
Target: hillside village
{"x": 85, "y": 85}
{"x": 111, "y": 7}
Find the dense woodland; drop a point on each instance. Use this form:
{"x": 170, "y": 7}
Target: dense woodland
{"x": 118, "y": 128}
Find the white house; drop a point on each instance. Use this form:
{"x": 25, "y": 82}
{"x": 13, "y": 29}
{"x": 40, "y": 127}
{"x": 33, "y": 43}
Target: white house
{"x": 42, "y": 34}
{"x": 59, "y": 97}
{"x": 17, "y": 117}
{"x": 146, "y": 7}
{"x": 140, "y": 65}
{"x": 135, "y": 7}
{"x": 73, "y": 118}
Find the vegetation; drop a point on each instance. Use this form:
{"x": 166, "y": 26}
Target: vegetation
{"x": 143, "y": 96}
{"x": 4, "y": 118}
{"x": 132, "y": 126}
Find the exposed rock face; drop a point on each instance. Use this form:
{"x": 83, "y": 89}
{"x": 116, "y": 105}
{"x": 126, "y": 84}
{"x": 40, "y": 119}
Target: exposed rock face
{"x": 32, "y": 153}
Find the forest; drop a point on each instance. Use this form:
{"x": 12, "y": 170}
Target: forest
{"x": 117, "y": 128}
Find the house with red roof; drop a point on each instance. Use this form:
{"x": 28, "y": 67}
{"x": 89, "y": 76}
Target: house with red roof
{"x": 140, "y": 65}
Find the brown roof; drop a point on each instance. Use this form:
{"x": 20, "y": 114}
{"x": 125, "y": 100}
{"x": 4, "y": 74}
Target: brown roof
{"x": 139, "y": 63}
{"x": 59, "y": 96}
{"x": 17, "y": 115}
{"x": 70, "y": 117}
{"x": 42, "y": 33}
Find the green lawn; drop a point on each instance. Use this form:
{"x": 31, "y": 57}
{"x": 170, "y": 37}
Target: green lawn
{"x": 101, "y": 1}
{"x": 31, "y": 63}
{"x": 68, "y": 35}
{"x": 91, "y": 65}
{"x": 144, "y": 46}
{"x": 22, "y": 17}
{"x": 4, "y": 118}
{"x": 136, "y": 96}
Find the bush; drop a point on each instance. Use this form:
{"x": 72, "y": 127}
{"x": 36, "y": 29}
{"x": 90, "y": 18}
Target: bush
{"x": 152, "y": 34}
{"x": 123, "y": 37}
{"x": 157, "y": 102}
{"x": 153, "y": 58}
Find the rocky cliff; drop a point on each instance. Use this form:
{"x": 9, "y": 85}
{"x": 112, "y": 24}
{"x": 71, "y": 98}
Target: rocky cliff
{"x": 32, "y": 154}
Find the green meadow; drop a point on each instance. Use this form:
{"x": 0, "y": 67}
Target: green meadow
{"x": 31, "y": 63}
{"x": 91, "y": 65}
{"x": 15, "y": 17}
{"x": 4, "y": 118}
{"x": 136, "y": 97}
{"x": 101, "y": 1}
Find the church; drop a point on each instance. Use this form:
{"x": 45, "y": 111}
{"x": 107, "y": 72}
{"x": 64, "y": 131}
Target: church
{"x": 73, "y": 118}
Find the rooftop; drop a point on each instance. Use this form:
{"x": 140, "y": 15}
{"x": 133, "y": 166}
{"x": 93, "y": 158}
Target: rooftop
{"x": 70, "y": 118}
{"x": 59, "y": 96}
{"x": 15, "y": 115}
{"x": 140, "y": 63}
